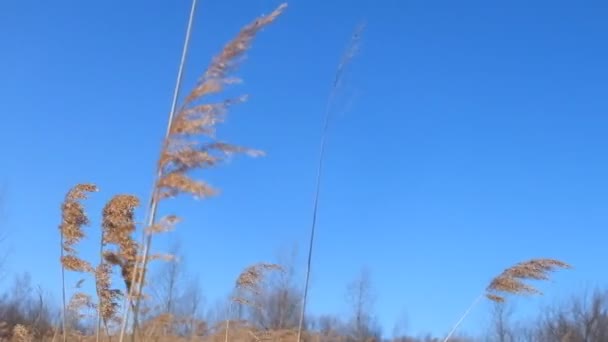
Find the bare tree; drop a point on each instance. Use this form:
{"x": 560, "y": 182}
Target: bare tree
{"x": 27, "y": 305}
{"x": 361, "y": 298}
{"x": 173, "y": 300}
{"x": 170, "y": 279}
{"x": 278, "y": 304}
{"x": 583, "y": 319}
{"x": 400, "y": 328}
{"x": 329, "y": 326}
{"x": 501, "y": 329}
{"x": 188, "y": 309}
{"x": 3, "y": 234}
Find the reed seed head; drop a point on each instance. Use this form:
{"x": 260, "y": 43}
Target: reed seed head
{"x": 118, "y": 228}
{"x": 108, "y": 297}
{"x": 21, "y": 333}
{"x": 73, "y": 219}
{"x": 119, "y": 218}
{"x": 181, "y": 152}
{"x": 78, "y": 302}
{"x": 251, "y": 278}
{"x": 511, "y": 280}
{"x": 165, "y": 224}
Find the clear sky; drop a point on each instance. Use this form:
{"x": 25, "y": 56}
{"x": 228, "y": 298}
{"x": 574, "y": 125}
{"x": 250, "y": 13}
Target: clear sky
{"x": 476, "y": 139}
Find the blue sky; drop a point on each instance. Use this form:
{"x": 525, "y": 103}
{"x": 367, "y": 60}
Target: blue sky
{"x": 476, "y": 140}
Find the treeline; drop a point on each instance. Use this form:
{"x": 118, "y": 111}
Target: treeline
{"x": 176, "y": 310}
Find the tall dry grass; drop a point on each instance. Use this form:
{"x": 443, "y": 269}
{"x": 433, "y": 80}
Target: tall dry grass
{"x": 511, "y": 282}
{"x": 73, "y": 219}
{"x": 347, "y": 57}
{"x": 190, "y": 143}
{"x": 247, "y": 285}
{"x": 118, "y": 225}
{"x": 181, "y": 153}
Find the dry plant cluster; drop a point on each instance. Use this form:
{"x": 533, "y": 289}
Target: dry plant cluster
{"x": 191, "y": 145}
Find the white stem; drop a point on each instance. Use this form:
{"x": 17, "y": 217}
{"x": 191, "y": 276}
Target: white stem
{"x": 136, "y": 282}
{"x": 466, "y": 313}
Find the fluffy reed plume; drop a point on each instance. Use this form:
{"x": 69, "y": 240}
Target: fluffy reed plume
{"x": 190, "y": 141}
{"x": 79, "y": 303}
{"x": 73, "y": 219}
{"x": 248, "y": 283}
{"x": 510, "y": 282}
{"x": 348, "y": 55}
{"x": 118, "y": 227}
{"x": 182, "y": 150}
{"x": 80, "y": 307}
{"x": 22, "y": 334}
{"x": 251, "y": 278}
{"x": 107, "y": 296}
{"x": 118, "y": 224}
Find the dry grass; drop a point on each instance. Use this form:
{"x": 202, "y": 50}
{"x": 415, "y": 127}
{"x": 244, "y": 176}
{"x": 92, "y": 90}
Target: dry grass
{"x": 248, "y": 284}
{"x": 73, "y": 219}
{"x": 252, "y": 276}
{"x": 347, "y": 57}
{"x": 510, "y": 281}
{"x": 22, "y": 334}
{"x": 118, "y": 229}
{"x": 183, "y": 151}
{"x": 190, "y": 145}
{"x": 118, "y": 225}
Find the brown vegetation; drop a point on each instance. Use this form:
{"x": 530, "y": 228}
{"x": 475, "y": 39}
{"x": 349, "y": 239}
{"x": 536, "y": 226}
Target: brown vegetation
{"x": 266, "y": 303}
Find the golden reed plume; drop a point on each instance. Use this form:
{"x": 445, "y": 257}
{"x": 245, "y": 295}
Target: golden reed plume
{"x": 510, "y": 282}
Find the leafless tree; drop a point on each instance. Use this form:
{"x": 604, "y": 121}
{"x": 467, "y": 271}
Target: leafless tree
{"x": 189, "y": 308}
{"x": 169, "y": 280}
{"x": 28, "y": 305}
{"x": 583, "y": 319}
{"x": 400, "y": 328}
{"x": 329, "y": 326}
{"x": 361, "y": 298}
{"x": 3, "y": 232}
{"x": 501, "y": 329}
{"x": 177, "y": 296}
{"x": 277, "y": 306}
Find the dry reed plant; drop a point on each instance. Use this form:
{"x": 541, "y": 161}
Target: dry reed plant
{"x": 22, "y": 334}
{"x": 73, "y": 219}
{"x": 249, "y": 283}
{"x": 190, "y": 142}
{"x": 118, "y": 225}
{"x": 347, "y": 57}
{"x": 511, "y": 282}
{"x": 250, "y": 280}
{"x": 118, "y": 228}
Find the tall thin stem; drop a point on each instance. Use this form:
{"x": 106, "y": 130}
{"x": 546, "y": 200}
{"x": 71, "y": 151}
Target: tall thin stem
{"x": 64, "y": 318}
{"x": 139, "y": 276}
{"x": 100, "y": 318}
{"x": 324, "y": 133}
{"x": 466, "y": 313}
